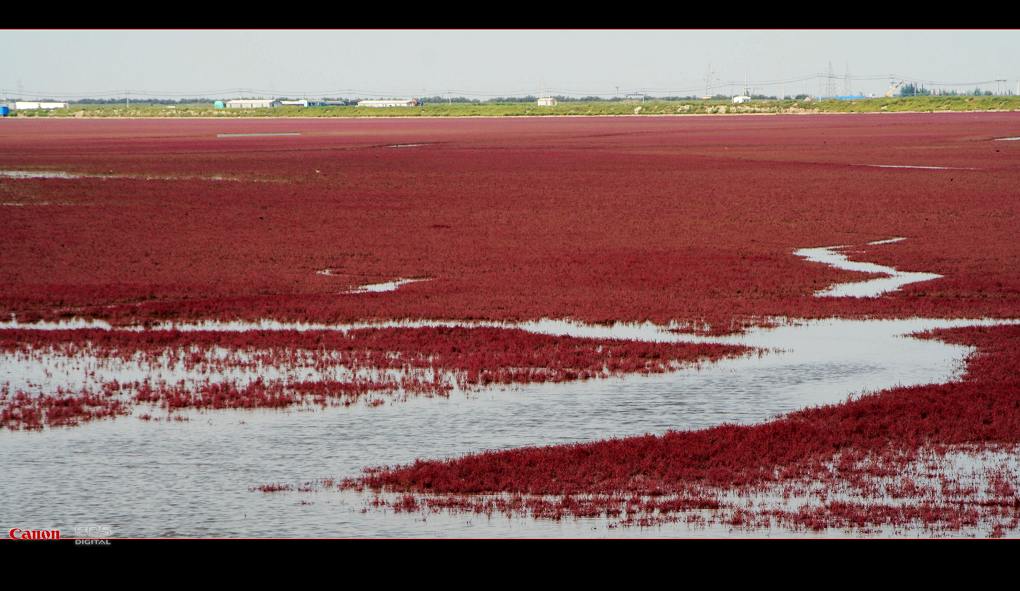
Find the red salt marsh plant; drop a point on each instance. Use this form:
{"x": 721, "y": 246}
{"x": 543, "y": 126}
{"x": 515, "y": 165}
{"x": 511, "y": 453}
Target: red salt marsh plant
{"x": 19, "y": 410}
{"x": 353, "y": 366}
{"x": 271, "y": 488}
{"x": 862, "y": 447}
{"x": 591, "y": 219}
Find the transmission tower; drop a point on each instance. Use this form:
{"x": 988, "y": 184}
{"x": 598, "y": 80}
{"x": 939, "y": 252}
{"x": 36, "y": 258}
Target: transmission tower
{"x": 708, "y": 81}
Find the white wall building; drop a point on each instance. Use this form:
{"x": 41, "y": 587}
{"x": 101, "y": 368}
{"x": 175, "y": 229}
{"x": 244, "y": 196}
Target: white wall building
{"x": 741, "y": 99}
{"x": 547, "y": 101}
{"x": 303, "y": 103}
{"x": 389, "y": 103}
{"x": 32, "y": 105}
{"x": 252, "y": 103}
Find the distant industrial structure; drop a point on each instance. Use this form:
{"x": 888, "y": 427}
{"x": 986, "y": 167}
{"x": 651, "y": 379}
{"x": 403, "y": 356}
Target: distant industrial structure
{"x": 38, "y": 105}
{"x": 271, "y": 103}
{"x": 252, "y": 103}
{"x": 741, "y": 99}
{"x": 547, "y": 101}
{"x": 378, "y": 104}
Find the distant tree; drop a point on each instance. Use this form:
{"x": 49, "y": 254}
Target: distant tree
{"x": 514, "y": 99}
{"x": 914, "y": 90}
{"x": 449, "y": 99}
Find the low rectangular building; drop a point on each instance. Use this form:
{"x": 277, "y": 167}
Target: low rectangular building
{"x": 34, "y": 105}
{"x": 252, "y": 103}
{"x": 547, "y": 101}
{"x": 303, "y": 103}
{"x": 389, "y": 103}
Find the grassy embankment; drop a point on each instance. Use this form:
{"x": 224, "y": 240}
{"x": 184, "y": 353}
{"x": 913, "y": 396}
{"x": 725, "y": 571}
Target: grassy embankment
{"x": 651, "y": 107}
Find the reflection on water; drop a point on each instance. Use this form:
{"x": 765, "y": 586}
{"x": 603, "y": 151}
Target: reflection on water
{"x": 61, "y": 174}
{"x": 192, "y": 478}
{"x": 894, "y": 279}
{"x": 40, "y": 174}
{"x": 384, "y": 286}
{"x": 259, "y": 134}
{"x": 912, "y": 166}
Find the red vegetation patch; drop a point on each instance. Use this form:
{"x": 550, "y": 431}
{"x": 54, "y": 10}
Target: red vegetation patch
{"x": 350, "y": 366}
{"x": 603, "y": 219}
{"x": 817, "y": 452}
{"x": 271, "y": 488}
{"x": 22, "y": 411}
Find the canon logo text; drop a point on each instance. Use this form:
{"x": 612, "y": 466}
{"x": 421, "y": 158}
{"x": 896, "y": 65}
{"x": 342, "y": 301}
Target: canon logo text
{"x": 33, "y": 534}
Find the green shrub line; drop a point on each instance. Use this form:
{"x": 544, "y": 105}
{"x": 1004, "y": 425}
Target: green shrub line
{"x": 566, "y": 108}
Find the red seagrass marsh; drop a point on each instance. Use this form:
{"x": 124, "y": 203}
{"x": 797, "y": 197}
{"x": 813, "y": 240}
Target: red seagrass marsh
{"x": 626, "y": 321}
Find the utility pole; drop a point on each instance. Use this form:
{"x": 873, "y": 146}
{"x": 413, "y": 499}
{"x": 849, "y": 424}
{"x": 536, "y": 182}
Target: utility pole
{"x": 846, "y": 80}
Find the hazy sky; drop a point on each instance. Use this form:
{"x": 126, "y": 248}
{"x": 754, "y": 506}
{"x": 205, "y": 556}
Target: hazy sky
{"x": 70, "y": 64}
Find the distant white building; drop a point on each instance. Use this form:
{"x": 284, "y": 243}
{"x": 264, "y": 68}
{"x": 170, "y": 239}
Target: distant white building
{"x": 304, "y": 103}
{"x": 741, "y": 99}
{"x": 389, "y": 103}
{"x": 33, "y": 105}
{"x": 252, "y": 103}
{"x": 547, "y": 101}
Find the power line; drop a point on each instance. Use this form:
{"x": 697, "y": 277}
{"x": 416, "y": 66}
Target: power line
{"x": 709, "y": 85}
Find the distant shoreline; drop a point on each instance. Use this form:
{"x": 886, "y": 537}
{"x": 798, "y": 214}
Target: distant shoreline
{"x": 550, "y": 116}
{"x": 467, "y": 110}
